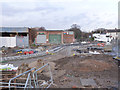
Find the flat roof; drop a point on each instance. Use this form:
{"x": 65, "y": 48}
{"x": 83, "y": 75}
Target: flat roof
{"x": 55, "y": 30}
{"x": 14, "y": 29}
{"x": 113, "y": 30}
{"x": 50, "y": 30}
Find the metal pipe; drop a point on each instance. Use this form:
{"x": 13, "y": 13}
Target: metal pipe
{"x": 19, "y": 76}
{"x": 27, "y": 81}
{"x": 50, "y": 73}
{"x": 40, "y": 68}
{"x": 34, "y": 73}
{"x": 36, "y": 81}
{"x": 13, "y": 83}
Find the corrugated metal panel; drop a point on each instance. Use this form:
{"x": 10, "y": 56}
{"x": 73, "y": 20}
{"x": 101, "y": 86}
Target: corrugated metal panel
{"x": 13, "y": 29}
{"x": 22, "y": 41}
{"x": 41, "y": 39}
{"x": 8, "y": 41}
{"x": 55, "y": 38}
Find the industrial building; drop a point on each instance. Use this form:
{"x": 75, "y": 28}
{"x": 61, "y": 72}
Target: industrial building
{"x": 108, "y": 36}
{"x": 68, "y": 37}
{"x": 14, "y": 36}
{"x": 51, "y": 36}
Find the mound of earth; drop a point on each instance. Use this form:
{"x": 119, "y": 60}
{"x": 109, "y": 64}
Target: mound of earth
{"x": 90, "y": 65}
{"x": 39, "y": 63}
{"x": 77, "y": 64}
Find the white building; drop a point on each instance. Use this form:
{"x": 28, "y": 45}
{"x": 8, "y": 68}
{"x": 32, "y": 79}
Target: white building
{"x": 102, "y": 37}
{"x": 111, "y": 34}
{"x": 14, "y": 36}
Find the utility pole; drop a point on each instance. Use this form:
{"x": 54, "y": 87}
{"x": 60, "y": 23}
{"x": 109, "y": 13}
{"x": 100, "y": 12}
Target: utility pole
{"x": 117, "y": 43}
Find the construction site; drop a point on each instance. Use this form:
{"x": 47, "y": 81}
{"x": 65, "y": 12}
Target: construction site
{"x": 60, "y": 44}
{"x": 85, "y": 66}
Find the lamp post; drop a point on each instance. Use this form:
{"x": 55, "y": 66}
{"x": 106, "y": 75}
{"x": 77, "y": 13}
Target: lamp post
{"x": 117, "y": 43}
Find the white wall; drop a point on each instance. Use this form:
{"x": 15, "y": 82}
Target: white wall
{"x": 101, "y": 37}
{"x": 41, "y": 39}
{"x": 119, "y": 35}
{"x": 112, "y": 34}
{"x": 8, "y": 41}
{"x": 22, "y": 41}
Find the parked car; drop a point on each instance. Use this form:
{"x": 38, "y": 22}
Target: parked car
{"x": 26, "y": 51}
{"x": 19, "y": 51}
{"x": 29, "y": 51}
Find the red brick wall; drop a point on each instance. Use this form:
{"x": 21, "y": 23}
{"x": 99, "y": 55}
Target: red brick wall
{"x": 51, "y": 32}
{"x": 32, "y": 35}
{"x": 65, "y": 38}
{"x": 68, "y": 38}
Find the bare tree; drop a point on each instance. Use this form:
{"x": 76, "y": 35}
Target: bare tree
{"x": 75, "y": 26}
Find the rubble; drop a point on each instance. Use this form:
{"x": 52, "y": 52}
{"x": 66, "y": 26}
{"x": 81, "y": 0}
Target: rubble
{"x": 8, "y": 67}
{"x": 100, "y": 67}
{"x": 95, "y": 52}
{"x": 88, "y": 82}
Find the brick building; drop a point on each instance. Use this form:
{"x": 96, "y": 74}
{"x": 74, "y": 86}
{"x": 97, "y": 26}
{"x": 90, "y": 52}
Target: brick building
{"x": 68, "y": 37}
{"x": 51, "y": 36}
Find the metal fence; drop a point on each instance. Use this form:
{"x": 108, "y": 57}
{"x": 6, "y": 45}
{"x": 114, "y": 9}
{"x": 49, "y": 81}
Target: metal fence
{"x": 13, "y": 84}
{"x": 57, "y": 49}
{"x": 28, "y": 81}
{"x": 36, "y": 80}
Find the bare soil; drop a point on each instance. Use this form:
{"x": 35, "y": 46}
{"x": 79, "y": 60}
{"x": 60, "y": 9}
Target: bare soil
{"x": 101, "y": 68}
{"x": 67, "y": 69}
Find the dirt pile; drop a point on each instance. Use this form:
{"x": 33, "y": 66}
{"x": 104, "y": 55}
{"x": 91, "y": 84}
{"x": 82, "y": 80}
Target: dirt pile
{"x": 90, "y": 65}
{"x": 78, "y": 64}
{"x": 39, "y": 63}
{"x": 101, "y": 68}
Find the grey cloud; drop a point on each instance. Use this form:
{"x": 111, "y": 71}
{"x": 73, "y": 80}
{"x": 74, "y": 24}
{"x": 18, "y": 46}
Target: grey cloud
{"x": 109, "y": 23}
{"x": 8, "y": 10}
{"x": 70, "y": 18}
{"x": 56, "y": 15}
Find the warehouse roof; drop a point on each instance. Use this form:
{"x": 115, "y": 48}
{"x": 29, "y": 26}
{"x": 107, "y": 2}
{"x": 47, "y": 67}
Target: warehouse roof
{"x": 113, "y": 30}
{"x": 14, "y": 29}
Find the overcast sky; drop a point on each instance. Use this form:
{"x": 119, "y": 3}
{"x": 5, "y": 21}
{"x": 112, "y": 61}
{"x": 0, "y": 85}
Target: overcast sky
{"x": 60, "y": 14}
